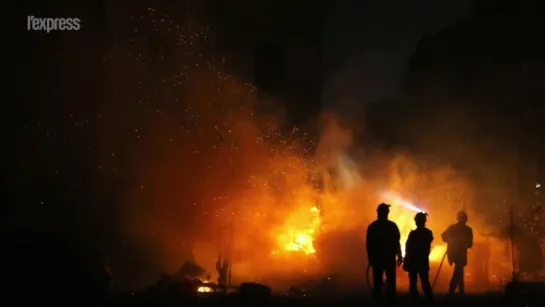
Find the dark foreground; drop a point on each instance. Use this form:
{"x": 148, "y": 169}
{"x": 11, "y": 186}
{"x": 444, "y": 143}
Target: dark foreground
{"x": 347, "y": 300}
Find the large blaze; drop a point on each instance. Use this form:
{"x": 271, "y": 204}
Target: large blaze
{"x": 303, "y": 224}
{"x": 279, "y": 214}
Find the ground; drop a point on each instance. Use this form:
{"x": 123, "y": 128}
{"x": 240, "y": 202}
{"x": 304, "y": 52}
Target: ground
{"x": 495, "y": 300}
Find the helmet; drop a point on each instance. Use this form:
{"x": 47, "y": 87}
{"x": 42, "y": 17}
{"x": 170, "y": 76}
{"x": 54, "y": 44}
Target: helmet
{"x": 421, "y": 217}
{"x": 461, "y": 216}
{"x": 383, "y": 207}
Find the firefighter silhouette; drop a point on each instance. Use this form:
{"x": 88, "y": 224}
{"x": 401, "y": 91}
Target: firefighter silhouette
{"x": 459, "y": 238}
{"x": 417, "y": 253}
{"x": 382, "y": 248}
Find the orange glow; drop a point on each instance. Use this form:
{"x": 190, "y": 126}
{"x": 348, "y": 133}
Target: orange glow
{"x": 437, "y": 253}
{"x": 276, "y": 229}
{"x": 239, "y": 171}
{"x": 302, "y": 225}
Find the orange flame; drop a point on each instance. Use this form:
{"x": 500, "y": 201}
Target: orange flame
{"x": 299, "y": 231}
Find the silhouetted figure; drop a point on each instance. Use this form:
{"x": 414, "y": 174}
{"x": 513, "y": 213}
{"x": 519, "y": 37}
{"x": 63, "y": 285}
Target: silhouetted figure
{"x": 459, "y": 238}
{"x": 382, "y": 248}
{"x": 417, "y": 256}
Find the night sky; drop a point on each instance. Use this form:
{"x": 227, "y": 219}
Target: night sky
{"x": 368, "y": 44}
{"x": 79, "y": 118}
{"x": 86, "y": 141}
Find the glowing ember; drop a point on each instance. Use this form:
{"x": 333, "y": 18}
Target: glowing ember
{"x": 205, "y": 289}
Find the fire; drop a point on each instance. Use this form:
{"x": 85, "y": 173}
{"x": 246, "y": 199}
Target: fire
{"x": 205, "y": 289}
{"x": 302, "y": 225}
{"x": 283, "y": 216}
{"x": 299, "y": 231}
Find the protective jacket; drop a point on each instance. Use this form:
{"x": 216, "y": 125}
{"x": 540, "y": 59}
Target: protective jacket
{"x": 383, "y": 242}
{"x": 459, "y": 238}
{"x": 417, "y": 250}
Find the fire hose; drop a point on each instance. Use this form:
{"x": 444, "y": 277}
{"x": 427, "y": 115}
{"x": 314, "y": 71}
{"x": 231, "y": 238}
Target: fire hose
{"x": 369, "y": 284}
{"x": 369, "y": 280}
{"x": 438, "y": 270}
{"x": 432, "y": 285}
